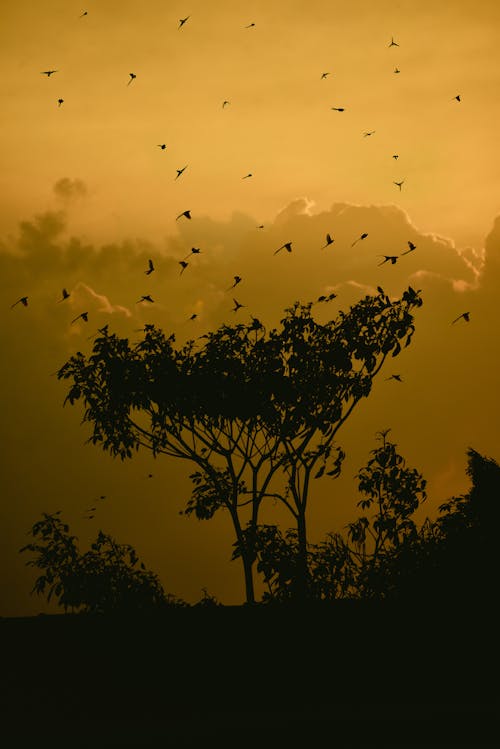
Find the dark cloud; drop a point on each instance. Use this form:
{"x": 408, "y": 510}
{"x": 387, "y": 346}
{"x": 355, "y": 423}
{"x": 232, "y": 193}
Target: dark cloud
{"x": 68, "y": 189}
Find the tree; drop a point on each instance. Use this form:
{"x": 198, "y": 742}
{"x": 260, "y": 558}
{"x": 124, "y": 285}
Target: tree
{"x": 255, "y": 411}
{"x": 106, "y": 579}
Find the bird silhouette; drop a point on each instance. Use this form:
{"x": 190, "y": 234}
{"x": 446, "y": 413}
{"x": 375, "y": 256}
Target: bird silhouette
{"x": 391, "y": 258}
{"x": 65, "y": 295}
{"x": 85, "y": 13}
{"x": 183, "y": 21}
{"x": 237, "y": 280}
{"x": 367, "y": 133}
{"x": 103, "y": 331}
{"x": 338, "y": 109}
{"x": 399, "y": 184}
{"x": 363, "y": 236}
{"x": 397, "y": 70}
{"x": 247, "y": 175}
{"x": 411, "y": 246}
{"x": 59, "y": 102}
{"x": 393, "y": 43}
{"x": 326, "y": 297}
{"x": 145, "y": 298}
{"x": 132, "y": 76}
{"x": 287, "y": 246}
{"x": 260, "y": 226}
{"x": 193, "y": 316}
{"x": 237, "y": 305}
{"x": 457, "y": 97}
{"x": 179, "y": 171}
{"x": 23, "y": 300}
{"x": 194, "y": 251}
{"x": 395, "y": 156}
{"x": 249, "y": 25}
{"x": 162, "y": 146}
{"x": 184, "y": 266}
{"x": 324, "y": 75}
{"x": 187, "y": 214}
{"x": 465, "y": 315}
{"x": 395, "y": 377}
{"x": 84, "y": 316}
{"x": 48, "y": 73}
{"x": 329, "y": 240}
{"x": 225, "y": 103}
{"x": 150, "y": 268}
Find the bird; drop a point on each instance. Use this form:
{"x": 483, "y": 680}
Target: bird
{"x": 187, "y": 214}
{"x": 194, "y": 251}
{"x": 150, "y": 268}
{"x": 183, "y": 21}
{"x": 338, "y": 109}
{"x": 457, "y": 97}
{"x": 193, "y": 316}
{"x": 411, "y": 246}
{"x": 367, "y": 133}
{"x": 395, "y": 156}
{"x": 287, "y": 246}
{"x": 48, "y": 73}
{"x": 85, "y": 13}
{"x": 397, "y": 70}
{"x": 392, "y": 258}
{"x": 145, "y": 298}
{"x": 395, "y": 377}
{"x": 59, "y": 102}
{"x": 103, "y": 331}
{"x": 237, "y": 305}
{"x": 329, "y": 240}
{"x": 179, "y": 171}
{"x": 184, "y": 266}
{"x": 260, "y": 226}
{"x": 326, "y": 297}
{"x": 363, "y": 236}
{"x": 393, "y": 43}
{"x": 249, "y": 25}
{"x": 323, "y": 75}
{"x": 247, "y": 175}
{"x": 162, "y": 146}
{"x": 65, "y": 295}
{"x": 84, "y": 316}
{"x": 132, "y": 76}
{"x": 399, "y": 184}
{"x": 23, "y": 300}
{"x": 465, "y": 315}
{"x": 237, "y": 280}
{"x": 225, "y": 103}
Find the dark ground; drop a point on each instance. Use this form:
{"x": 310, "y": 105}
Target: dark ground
{"x": 344, "y": 675}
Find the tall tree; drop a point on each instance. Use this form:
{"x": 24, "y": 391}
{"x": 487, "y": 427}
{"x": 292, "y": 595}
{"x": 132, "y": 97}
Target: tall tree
{"x": 255, "y": 411}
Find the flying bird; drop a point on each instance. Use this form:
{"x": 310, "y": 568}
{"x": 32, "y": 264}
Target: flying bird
{"x": 23, "y": 300}
{"x": 145, "y": 298}
{"x": 363, "y": 236}
{"x": 465, "y": 315}
{"x": 183, "y": 21}
{"x": 329, "y": 240}
{"x": 193, "y": 316}
{"x": 237, "y": 305}
{"x": 395, "y": 377}
{"x": 84, "y": 316}
{"x": 392, "y": 258}
{"x": 162, "y": 146}
{"x": 249, "y": 25}
{"x": 287, "y": 246}
{"x": 323, "y": 75}
{"x": 150, "y": 268}
{"x": 393, "y": 43}
{"x": 225, "y": 103}
{"x": 194, "y": 251}
{"x": 326, "y": 297}
{"x": 260, "y": 226}
{"x": 237, "y": 280}
{"x": 184, "y": 266}
{"x": 338, "y": 109}
{"x": 411, "y": 246}
{"x": 395, "y": 156}
{"x": 85, "y": 13}
{"x": 65, "y": 295}
{"x": 59, "y": 102}
{"x": 457, "y": 97}
{"x": 179, "y": 171}
{"x": 397, "y": 70}
{"x": 367, "y": 133}
{"x": 247, "y": 175}
{"x": 48, "y": 73}
{"x": 132, "y": 76}
{"x": 398, "y": 184}
{"x": 187, "y": 214}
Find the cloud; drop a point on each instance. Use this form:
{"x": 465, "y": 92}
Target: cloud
{"x": 68, "y": 189}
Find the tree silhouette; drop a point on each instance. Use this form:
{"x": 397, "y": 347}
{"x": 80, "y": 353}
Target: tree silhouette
{"x": 107, "y": 578}
{"x": 255, "y": 411}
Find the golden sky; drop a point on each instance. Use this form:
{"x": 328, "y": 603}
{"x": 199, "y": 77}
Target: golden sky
{"x": 88, "y": 197}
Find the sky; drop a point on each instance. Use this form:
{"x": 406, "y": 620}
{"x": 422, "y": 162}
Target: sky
{"x": 88, "y": 197}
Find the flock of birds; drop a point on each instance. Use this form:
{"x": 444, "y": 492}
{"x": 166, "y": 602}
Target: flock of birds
{"x": 287, "y": 246}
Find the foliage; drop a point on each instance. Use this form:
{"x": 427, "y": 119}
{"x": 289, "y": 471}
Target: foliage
{"x": 105, "y": 579}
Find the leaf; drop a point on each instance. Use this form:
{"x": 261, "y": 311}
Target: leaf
{"x": 319, "y": 474}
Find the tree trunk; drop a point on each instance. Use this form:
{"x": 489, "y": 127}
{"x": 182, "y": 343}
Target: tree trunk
{"x": 302, "y": 581}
